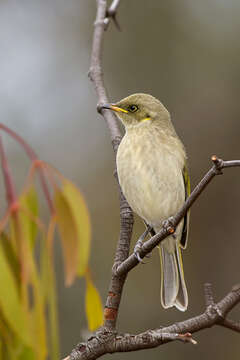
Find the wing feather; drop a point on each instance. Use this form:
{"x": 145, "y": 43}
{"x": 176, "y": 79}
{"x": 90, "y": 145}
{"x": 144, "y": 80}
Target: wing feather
{"x": 186, "y": 179}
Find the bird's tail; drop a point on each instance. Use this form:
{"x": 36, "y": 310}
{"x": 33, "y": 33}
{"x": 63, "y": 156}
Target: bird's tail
{"x": 173, "y": 287}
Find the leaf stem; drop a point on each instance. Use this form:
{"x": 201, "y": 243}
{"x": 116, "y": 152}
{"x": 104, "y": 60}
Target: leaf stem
{"x": 33, "y": 157}
{"x": 8, "y": 180}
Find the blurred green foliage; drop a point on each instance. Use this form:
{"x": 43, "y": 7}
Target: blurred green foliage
{"x": 28, "y": 296}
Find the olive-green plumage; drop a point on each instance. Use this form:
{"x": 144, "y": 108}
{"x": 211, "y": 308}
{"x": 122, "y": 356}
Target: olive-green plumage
{"x": 151, "y": 165}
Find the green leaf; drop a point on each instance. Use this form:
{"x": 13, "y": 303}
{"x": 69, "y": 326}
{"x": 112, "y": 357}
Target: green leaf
{"x": 36, "y": 308}
{"x": 27, "y": 354}
{"x": 49, "y": 292}
{"x": 18, "y": 351}
{"x": 10, "y": 303}
{"x": 32, "y": 310}
{"x": 93, "y": 305}
{"x": 10, "y": 255}
{"x": 74, "y": 226}
{"x": 29, "y": 205}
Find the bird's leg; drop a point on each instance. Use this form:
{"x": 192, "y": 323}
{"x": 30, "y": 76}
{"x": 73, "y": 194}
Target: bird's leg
{"x": 140, "y": 241}
{"x": 168, "y": 225}
{"x": 151, "y": 232}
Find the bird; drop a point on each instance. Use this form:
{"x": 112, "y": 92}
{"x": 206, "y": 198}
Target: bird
{"x": 153, "y": 175}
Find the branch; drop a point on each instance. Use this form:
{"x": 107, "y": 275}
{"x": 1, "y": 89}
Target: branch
{"x": 96, "y": 73}
{"x": 126, "y": 215}
{"x": 111, "y": 13}
{"x": 110, "y": 342}
{"x": 230, "y": 324}
{"x": 171, "y": 223}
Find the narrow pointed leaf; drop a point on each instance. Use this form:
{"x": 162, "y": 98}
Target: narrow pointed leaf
{"x": 49, "y": 290}
{"x": 29, "y": 205}
{"x": 28, "y": 354}
{"x": 93, "y": 305}
{"x": 82, "y": 218}
{"x": 74, "y": 226}
{"x": 10, "y": 304}
{"x": 37, "y": 308}
{"x": 10, "y": 255}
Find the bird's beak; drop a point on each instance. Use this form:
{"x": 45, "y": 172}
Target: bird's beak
{"x": 113, "y": 107}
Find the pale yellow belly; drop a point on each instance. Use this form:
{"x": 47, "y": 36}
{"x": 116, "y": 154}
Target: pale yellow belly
{"x": 152, "y": 183}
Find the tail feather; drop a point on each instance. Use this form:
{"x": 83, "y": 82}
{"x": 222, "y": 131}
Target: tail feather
{"x": 173, "y": 288}
{"x": 182, "y": 297}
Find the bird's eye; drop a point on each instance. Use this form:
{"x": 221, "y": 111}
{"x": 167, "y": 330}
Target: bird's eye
{"x": 133, "y": 108}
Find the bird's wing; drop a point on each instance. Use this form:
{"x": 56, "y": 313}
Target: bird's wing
{"x": 186, "y": 179}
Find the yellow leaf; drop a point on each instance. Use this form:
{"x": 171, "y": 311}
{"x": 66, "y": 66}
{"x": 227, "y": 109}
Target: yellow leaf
{"x": 33, "y": 306}
{"x": 10, "y": 255}
{"x": 49, "y": 290}
{"x": 23, "y": 230}
{"x": 29, "y": 205}
{"x": 27, "y": 354}
{"x": 93, "y": 305}
{"x": 36, "y": 307}
{"x": 10, "y": 303}
{"x": 74, "y": 226}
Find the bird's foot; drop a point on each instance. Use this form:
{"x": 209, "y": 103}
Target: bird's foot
{"x": 140, "y": 243}
{"x": 168, "y": 225}
{"x": 137, "y": 249}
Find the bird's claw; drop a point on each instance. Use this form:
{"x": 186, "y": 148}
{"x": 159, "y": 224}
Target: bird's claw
{"x": 137, "y": 249}
{"x": 168, "y": 225}
{"x": 136, "y": 253}
{"x": 139, "y": 245}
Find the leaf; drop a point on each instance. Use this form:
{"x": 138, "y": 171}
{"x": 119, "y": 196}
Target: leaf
{"x": 36, "y": 308}
{"x": 29, "y": 205}
{"x": 23, "y": 230}
{"x": 93, "y": 305}
{"x": 27, "y": 354}
{"x": 18, "y": 351}
{"x": 10, "y": 255}
{"x": 53, "y": 318}
{"x": 10, "y": 303}
{"x": 6, "y": 334}
{"x": 74, "y": 226}
{"x": 49, "y": 290}
{"x": 33, "y": 308}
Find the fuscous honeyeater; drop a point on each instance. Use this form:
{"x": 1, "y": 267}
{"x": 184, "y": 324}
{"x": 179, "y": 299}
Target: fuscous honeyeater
{"x": 152, "y": 171}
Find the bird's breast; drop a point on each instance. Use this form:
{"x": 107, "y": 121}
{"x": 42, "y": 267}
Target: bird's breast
{"x": 150, "y": 174}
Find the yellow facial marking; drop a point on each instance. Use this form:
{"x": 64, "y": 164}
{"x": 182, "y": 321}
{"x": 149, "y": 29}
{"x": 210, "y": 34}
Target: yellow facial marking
{"x": 146, "y": 119}
{"x": 118, "y": 109}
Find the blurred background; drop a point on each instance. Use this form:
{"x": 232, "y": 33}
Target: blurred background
{"x": 187, "y": 54}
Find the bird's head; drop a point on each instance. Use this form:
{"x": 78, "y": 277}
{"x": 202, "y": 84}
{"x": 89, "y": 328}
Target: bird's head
{"x": 137, "y": 109}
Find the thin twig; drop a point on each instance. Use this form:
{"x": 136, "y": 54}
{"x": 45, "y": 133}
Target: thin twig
{"x": 111, "y": 13}
{"x": 33, "y": 157}
{"x": 230, "y": 324}
{"x": 112, "y": 10}
{"x": 8, "y": 179}
{"x": 96, "y": 74}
